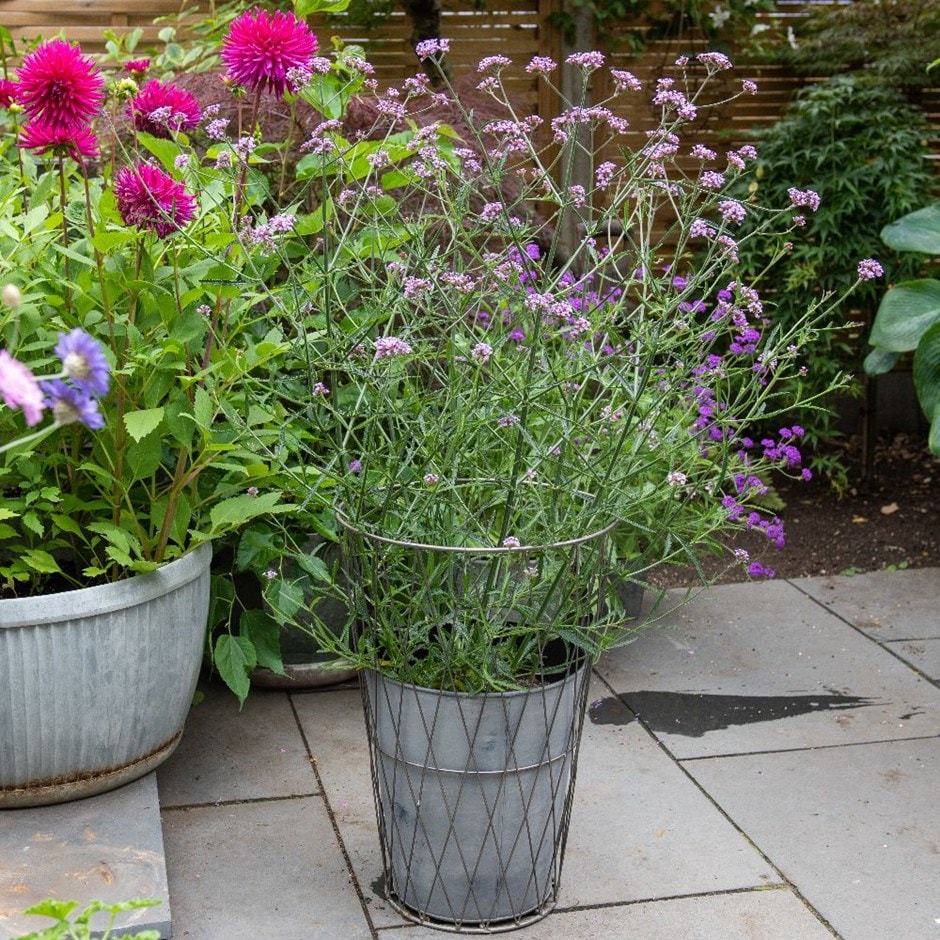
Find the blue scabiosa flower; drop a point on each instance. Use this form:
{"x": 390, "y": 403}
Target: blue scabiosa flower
{"x": 70, "y": 404}
{"x": 83, "y": 362}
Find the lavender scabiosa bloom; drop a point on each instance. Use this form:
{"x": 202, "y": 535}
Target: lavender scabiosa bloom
{"x": 83, "y": 361}
{"x": 869, "y": 269}
{"x": 260, "y": 48}
{"x": 70, "y": 404}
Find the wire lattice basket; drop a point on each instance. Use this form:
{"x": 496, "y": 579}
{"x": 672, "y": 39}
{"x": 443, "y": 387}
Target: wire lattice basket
{"x": 474, "y": 703}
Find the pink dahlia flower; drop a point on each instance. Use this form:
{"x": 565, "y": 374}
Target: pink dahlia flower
{"x": 19, "y": 388}
{"x": 136, "y": 66}
{"x": 161, "y": 107}
{"x": 7, "y": 92}
{"x": 78, "y": 143}
{"x": 151, "y": 199}
{"x": 59, "y": 86}
{"x": 261, "y": 48}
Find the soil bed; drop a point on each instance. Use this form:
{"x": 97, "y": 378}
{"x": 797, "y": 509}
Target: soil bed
{"x": 887, "y": 520}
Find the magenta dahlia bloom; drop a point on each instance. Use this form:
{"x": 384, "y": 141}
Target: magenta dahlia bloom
{"x": 261, "y": 48}
{"x": 78, "y": 143}
{"x": 7, "y": 92}
{"x": 137, "y": 66}
{"x": 161, "y": 107}
{"x": 151, "y": 199}
{"x": 59, "y": 86}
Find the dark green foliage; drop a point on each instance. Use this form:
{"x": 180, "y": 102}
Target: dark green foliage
{"x": 862, "y": 148}
{"x": 894, "y": 40}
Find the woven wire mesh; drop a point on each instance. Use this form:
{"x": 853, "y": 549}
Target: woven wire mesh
{"x": 474, "y": 743}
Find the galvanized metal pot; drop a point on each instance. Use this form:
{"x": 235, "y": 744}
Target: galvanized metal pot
{"x": 473, "y": 796}
{"x": 96, "y": 683}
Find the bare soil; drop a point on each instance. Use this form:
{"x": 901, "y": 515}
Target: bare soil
{"x": 887, "y": 519}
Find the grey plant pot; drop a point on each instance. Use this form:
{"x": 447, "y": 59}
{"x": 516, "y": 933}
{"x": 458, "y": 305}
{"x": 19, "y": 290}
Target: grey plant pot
{"x": 473, "y": 797}
{"x": 98, "y": 681}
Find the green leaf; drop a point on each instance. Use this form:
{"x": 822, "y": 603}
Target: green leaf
{"x": 7, "y": 513}
{"x": 203, "y": 408}
{"x": 284, "y": 597}
{"x": 41, "y": 561}
{"x": 265, "y": 635}
{"x": 933, "y": 441}
{"x": 305, "y": 8}
{"x": 927, "y": 370}
{"x": 917, "y": 231}
{"x": 879, "y": 361}
{"x": 65, "y": 524}
{"x": 165, "y": 150}
{"x": 141, "y": 423}
{"x": 315, "y": 567}
{"x": 105, "y": 241}
{"x": 256, "y": 546}
{"x": 907, "y": 311}
{"x": 235, "y": 657}
{"x": 237, "y": 510}
{"x": 143, "y": 458}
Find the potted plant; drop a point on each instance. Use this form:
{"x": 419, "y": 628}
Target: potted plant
{"x": 130, "y": 285}
{"x": 508, "y": 432}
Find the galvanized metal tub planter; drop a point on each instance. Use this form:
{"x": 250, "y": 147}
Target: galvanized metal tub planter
{"x": 97, "y": 682}
{"x": 473, "y": 796}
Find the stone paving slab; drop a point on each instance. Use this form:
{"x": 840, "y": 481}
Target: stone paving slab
{"x": 227, "y": 754}
{"x": 855, "y": 829}
{"x": 749, "y": 915}
{"x": 922, "y": 654}
{"x": 107, "y": 847}
{"x": 248, "y": 871}
{"x": 754, "y": 667}
{"x": 640, "y": 828}
{"x": 887, "y": 605}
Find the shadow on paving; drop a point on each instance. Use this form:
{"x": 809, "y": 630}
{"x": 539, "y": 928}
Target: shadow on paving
{"x": 692, "y": 714}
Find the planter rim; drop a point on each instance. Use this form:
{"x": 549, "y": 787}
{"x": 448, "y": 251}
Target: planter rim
{"x": 44, "y": 609}
{"x": 490, "y": 693}
{"x": 473, "y": 549}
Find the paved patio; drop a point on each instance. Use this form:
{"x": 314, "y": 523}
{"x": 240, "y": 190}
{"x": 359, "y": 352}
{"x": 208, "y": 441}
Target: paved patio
{"x": 764, "y": 769}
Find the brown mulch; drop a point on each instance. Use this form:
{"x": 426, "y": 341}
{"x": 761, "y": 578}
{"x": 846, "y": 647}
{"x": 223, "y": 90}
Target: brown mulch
{"x": 885, "y": 520}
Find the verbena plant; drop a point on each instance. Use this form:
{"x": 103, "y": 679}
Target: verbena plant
{"x": 477, "y": 401}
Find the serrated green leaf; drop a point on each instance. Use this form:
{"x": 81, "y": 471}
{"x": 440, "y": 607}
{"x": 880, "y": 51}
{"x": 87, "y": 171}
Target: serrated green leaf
{"x": 256, "y": 546}
{"x": 8, "y": 513}
{"x": 33, "y": 523}
{"x": 41, "y": 561}
{"x": 164, "y": 149}
{"x": 265, "y": 635}
{"x": 315, "y": 567}
{"x": 235, "y": 657}
{"x": 141, "y": 423}
{"x": 284, "y": 598}
{"x": 237, "y": 510}
{"x": 203, "y": 408}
